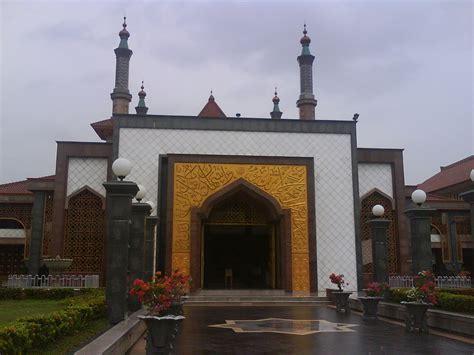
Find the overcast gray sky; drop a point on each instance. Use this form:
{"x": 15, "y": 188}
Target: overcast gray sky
{"x": 404, "y": 66}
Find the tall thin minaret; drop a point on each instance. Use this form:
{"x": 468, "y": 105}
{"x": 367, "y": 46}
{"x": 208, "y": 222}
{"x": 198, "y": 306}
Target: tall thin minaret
{"x": 276, "y": 113}
{"x": 306, "y": 103}
{"x": 121, "y": 95}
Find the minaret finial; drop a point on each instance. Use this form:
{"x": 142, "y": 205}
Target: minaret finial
{"x": 276, "y": 113}
{"x": 141, "y": 108}
{"x": 304, "y": 29}
{"x": 211, "y": 97}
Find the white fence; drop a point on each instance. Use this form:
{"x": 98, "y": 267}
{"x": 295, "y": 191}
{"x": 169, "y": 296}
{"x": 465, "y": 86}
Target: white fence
{"x": 440, "y": 281}
{"x": 53, "y": 281}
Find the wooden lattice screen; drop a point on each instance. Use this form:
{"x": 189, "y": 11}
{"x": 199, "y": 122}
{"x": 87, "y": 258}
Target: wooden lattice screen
{"x": 85, "y": 233}
{"x": 367, "y": 203}
{"x": 48, "y": 224}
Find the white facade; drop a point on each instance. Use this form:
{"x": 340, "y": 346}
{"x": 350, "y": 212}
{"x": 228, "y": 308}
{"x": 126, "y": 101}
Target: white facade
{"x": 335, "y": 231}
{"x": 373, "y": 176}
{"x": 91, "y": 172}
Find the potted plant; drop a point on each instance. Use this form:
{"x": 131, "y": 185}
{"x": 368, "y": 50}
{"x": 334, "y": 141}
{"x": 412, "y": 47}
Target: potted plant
{"x": 374, "y": 294}
{"x": 163, "y": 299}
{"x": 340, "y": 297}
{"x": 420, "y": 297}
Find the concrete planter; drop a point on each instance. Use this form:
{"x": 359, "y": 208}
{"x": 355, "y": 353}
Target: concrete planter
{"x": 341, "y": 299}
{"x": 161, "y": 333}
{"x": 370, "y": 305}
{"x": 416, "y": 318}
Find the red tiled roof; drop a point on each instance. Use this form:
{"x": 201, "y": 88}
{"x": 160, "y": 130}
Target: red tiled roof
{"x": 212, "y": 109}
{"x": 20, "y": 187}
{"x": 450, "y": 175}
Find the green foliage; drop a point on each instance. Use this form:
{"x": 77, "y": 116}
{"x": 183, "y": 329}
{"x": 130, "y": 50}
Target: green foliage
{"x": 33, "y": 332}
{"x": 455, "y": 303}
{"x": 42, "y": 293}
{"x": 453, "y": 300}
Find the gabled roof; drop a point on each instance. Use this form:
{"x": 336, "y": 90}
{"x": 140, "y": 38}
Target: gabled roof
{"x": 450, "y": 175}
{"x": 212, "y": 109}
{"x": 20, "y": 187}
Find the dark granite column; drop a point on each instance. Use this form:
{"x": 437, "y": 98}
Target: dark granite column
{"x": 379, "y": 228}
{"x": 36, "y": 240}
{"x": 420, "y": 226}
{"x": 136, "y": 252}
{"x": 150, "y": 237}
{"x": 469, "y": 198}
{"x": 454, "y": 264}
{"x": 119, "y": 212}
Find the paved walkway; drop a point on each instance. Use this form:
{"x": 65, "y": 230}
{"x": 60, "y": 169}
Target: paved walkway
{"x": 299, "y": 330}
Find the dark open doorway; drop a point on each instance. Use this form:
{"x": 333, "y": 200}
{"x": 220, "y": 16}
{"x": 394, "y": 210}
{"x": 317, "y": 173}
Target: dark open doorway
{"x": 239, "y": 256}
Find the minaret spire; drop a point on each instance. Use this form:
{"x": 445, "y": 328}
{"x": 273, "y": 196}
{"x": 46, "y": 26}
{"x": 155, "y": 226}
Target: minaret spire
{"x": 121, "y": 95}
{"x": 141, "y": 108}
{"x": 306, "y": 102}
{"x": 276, "y": 113}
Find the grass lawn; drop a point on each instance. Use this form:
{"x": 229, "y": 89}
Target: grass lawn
{"x": 11, "y": 310}
{"x": 73, "y": 342}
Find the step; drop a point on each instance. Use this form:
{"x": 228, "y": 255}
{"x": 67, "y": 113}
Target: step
{"x": 242, "y": 292}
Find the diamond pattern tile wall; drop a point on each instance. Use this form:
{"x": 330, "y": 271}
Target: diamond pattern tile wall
{"x": 375, "y": 176}
{"x": 333, "y": 178}
{"x": 86, "y": 171}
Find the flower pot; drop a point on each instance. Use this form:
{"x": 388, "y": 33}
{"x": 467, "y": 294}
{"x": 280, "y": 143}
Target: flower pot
{"x": 341, "y": 299}
{"x": 416, "y": 317}
{"x": 161, "y": 333}
{"x": 370, "y": 305}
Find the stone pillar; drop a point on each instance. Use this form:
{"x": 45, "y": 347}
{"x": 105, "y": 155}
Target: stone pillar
{"x": 150, "y": 233}
{"x": 420, "y": 226}
{"x": 36, "y": 241}
{"x": 119, "y": 212}
{"x": 136, "y": 252}
{"x": 379, "y": 228}
{"x": 454, "y": 264}
{"x": 468, "y": 196}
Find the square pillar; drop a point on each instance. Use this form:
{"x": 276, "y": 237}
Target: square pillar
{"x": 119, "y": 212}
{"x": 37, "y": 223}
{"x": 468, "y": 196}
{"x": 379, "y": 228}
{"x": 150, "y": 243}
{"x": 136, "y": 251}
{"x": 420, "y": 229}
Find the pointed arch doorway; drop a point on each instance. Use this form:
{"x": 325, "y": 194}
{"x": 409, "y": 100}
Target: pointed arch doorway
{"x": 241, "y": 231}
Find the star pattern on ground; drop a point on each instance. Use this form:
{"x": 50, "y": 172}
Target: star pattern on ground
{"x": 285, "y": 326}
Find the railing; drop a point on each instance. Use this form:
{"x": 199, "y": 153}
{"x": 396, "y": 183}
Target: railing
{"x": 53, "y": 281}
{"x": 440, "y": 281}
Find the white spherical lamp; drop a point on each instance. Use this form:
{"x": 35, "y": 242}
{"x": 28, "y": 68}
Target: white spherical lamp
{"x": 378, "y": 210}
{"x": 121, "y": 168}
{"x": 152, "y": 205}
{"x": 141, "y": 193}
{"x": 418, "y": 197}
{"x": 471, "y": 175}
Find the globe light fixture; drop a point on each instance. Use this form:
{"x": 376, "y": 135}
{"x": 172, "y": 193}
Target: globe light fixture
{"x": 472, "y": 175}
{"x": 418, "y": 197}
{"x": 378, "y": 210}
{"x": 152, "y": 205}
{"x": 141, "y": 193}
{"x": 121, "y": 168}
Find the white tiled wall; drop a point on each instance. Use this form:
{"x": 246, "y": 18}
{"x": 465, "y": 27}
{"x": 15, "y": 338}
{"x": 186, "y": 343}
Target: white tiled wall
{"x": 86, "y": 171}
{"x": 375, "y": 176}
{"x": 333, "y": 177}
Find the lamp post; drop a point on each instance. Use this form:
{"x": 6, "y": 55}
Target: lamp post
{"x": 468, "y": 196}
{"x": 136, "y": 252}
{"x": 119, "y": 210}
{"x": 379, "y": 228}
{"x": 420, "y": 229}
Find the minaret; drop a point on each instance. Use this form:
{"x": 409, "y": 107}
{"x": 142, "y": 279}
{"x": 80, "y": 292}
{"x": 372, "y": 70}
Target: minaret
{"x": 141, "y": 108}
{"x": 276, "y": 113}
{"x": 306, "y": 102}
{"x": 121, "y": 95}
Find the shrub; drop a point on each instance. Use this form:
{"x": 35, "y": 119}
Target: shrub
{"x": 398, "y": 294}
{"x": 458, "y": 291}
{"x": 455, "y": 303}
{"x": 42, "y": 293}
{"x": 29, "y": 332}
